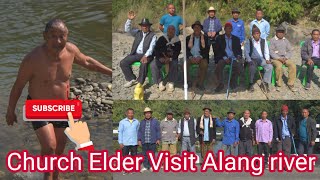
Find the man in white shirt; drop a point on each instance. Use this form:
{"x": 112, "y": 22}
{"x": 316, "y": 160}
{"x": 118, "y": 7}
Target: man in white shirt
{"x": 257, "y": 54}
{"x": 142, "y": 50}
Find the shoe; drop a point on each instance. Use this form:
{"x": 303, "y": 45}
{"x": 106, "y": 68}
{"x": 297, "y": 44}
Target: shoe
{"x": 161, "y": 86}
{"x": 130, "y": 83}
{"x": 170, "y": 87}
{"x": 251, "y": 88}
{"x": 308, "y": 86}
{"x": 292, "y": 88}
{"x": 143, "y": 169}
{"x": 219, "y": 88}
{"x": 278, "y": 88}
{"x": 200, "y": 87}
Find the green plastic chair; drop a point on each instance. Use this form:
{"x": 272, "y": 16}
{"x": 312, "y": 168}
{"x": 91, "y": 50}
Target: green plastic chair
{"x": 304, "y": 80}
{"x": 137, "y": 64}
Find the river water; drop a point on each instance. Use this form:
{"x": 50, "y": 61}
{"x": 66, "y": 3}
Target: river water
{"x": 21, "y": 26}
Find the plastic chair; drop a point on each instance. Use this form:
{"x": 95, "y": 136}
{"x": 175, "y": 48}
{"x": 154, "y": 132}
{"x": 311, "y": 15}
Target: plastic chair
{"x": 259, "y": 68}
{"x": 137, "y": 64}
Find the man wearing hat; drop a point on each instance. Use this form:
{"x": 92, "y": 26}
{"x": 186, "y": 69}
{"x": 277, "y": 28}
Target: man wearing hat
{"x": 237, "y": 26}
{"x": 169, "y": 133}
{"x": 228, "y": 49}
{"x": 231, "y": 129}
{"x": 187, "y": 131}
{"x": 206, "y": 128}
{"x": 198, "y": 53}
{"x": 171, "y": 19}
{"x": 261, "y": 23}
{"x": 149, "y": 136}
{"x": 257, "y": 54}
{"x": 280, "y": 53}
{"x": 211, "y": 27}
{"x": 284, "y": 130}
{"x": 141, "y": 51}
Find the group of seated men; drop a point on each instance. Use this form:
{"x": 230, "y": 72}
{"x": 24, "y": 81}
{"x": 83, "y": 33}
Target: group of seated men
{"x": 148, "y": 50}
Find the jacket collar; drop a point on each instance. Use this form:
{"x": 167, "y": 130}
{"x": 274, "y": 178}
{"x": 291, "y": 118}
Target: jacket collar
{"x": 278, "y": 38}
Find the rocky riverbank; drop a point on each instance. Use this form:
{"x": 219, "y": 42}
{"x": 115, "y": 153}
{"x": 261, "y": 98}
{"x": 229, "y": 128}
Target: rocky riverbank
{"x": 96, "y": 97}
{"x": 121, "y": 44}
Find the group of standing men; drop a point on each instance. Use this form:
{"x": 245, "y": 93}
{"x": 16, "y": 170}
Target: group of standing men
{"x": 239, "y": 136}
{"x": 227, "y": 50}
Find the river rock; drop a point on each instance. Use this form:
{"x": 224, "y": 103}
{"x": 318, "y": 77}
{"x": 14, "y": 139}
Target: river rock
{"x": 80, "y": 81}
{"x": 77, "y": 91}
{"x": 95, "y": 84}
{"x": 72, "y": 96}
{"x": 85, "y": 105}
{"x": 96, "y": 89}
{"x": 103, "y": 85}
{"x": 87, "y": 88}
{"x": 104, "y": 101}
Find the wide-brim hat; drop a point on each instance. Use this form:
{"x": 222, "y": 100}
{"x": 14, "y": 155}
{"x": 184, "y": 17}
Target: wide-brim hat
{"x": 231, "y": 111}
{"x": 235, "y": 10}
{"x": 197, "y": 23}
{"x": 145, "y": 21}
{"x": 207, "y": 108}
{"x": 211, "y": 8}
{"x": 147, "y": 109}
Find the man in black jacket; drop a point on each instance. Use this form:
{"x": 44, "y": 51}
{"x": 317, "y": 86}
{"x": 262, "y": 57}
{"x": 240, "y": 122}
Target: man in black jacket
{"x": 167, "y": 50}
{"x": 206, "y": 128}
{"x": 228, "y": 48}
{"x": 247, "y": 134}
{"x": 198, "y": 53}
{"x": 284, "y": 130}
{"x": 141, "y": 51}
{"x": 307, "y": 133}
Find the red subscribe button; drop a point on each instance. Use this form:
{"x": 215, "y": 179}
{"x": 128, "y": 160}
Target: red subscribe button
{"x": 52, "y": 109}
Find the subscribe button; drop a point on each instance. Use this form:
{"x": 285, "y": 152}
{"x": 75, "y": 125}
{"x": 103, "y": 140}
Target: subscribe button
{"x": 51, "y": 110}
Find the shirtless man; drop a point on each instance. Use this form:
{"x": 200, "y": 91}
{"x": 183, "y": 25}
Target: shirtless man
{"x": 48, "y": 69}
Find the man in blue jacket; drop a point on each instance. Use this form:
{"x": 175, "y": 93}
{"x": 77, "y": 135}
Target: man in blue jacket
{"x": 211, "y": 27}
{"x": 231, "y": 130}
{"x": 237, "y": 26}
{"x": 148, "y": 136}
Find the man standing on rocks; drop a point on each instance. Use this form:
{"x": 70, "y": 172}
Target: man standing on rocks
{"x": 261, "y": 23}
{"x": 171, "y": 19}
{"x": 211, "y": 28}
{"x": 169, "y": 132}
{"x": 264, "y": 135}
{"x": 310, "y": 54}
{"x": 128, "y": 134}
{"x": 48, "y": 69}
{"x": 141, "y": 51}
{"x": 257, "y": 54}
{"x": 206, "y": 128}
{"x": 285, "y": 128}
{"x": 280, "y": 53}
{"x": 149, "y": 136}
{"x": 197, "y": 53}
{"x": 231, "y": 129}
{"x": 228, "y": 49}
{"x": 247, "y": 134}
{"x": 307, "y": 133}
{"x": 188, "y": 132}
{"x": 167, "y": 50}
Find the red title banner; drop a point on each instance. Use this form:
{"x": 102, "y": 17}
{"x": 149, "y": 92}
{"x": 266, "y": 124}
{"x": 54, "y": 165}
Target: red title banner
{"x": 52, "y": 109}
